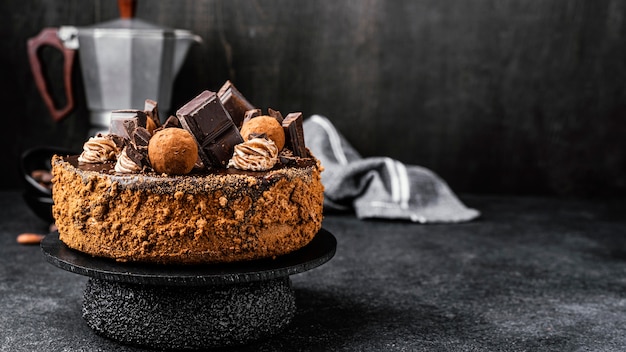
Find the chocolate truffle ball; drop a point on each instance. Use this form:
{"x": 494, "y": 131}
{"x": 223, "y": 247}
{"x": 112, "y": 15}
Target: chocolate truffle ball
{"x": 150, "y": 125}
{"x": 172, "y": 151}
{"x": 265, "y": 124}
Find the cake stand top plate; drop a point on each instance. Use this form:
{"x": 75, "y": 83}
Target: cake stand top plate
{"x": 320, "y": 250}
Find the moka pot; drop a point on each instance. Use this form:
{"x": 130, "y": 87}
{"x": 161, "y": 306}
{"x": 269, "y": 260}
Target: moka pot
{"x": 123, "y": 62}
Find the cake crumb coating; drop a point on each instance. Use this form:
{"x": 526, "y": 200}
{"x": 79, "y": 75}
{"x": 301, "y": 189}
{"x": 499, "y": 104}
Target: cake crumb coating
{"x": 191, "y": 219}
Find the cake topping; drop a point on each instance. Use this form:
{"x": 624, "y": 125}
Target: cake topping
{"x": 265, "y": 124}
{"x": 139, "y": 155}
{"x": 234, "y": 102}
{"x": 124, "y": 122}
{"x": 141, "y": 137}
{"x": 172, "y": 151}
{"x": 294, "y": 135}
{"x": 275, "y": 114}
{"x": 151, "y": 109}
{"x": 250, "y": 114}
{"x": 125, "y": 164}
{"x": 211, "y": 126}
{"x": 171, "y": 121}
{"x": 98, "y": 149}
{"x": 150, "y": 126}
{"x": 255, "y": 154}
{"x": 207, "y": 132}
{"x": 120, "y": 142}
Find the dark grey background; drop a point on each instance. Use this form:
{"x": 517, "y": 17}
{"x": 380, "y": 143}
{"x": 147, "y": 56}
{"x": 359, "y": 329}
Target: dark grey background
{"x": 500, "y": 97}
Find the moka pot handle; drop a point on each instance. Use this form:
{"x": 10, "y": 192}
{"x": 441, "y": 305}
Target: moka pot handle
{"x": 49, "y": 36}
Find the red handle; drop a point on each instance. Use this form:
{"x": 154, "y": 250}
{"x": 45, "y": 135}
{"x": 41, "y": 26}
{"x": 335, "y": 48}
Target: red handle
{"x": 48, "y": 36}
{"x": 127, "y": 8}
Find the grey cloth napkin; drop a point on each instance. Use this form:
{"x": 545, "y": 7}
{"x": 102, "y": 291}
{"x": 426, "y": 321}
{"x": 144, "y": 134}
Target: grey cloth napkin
{"x": 379, "y": 187}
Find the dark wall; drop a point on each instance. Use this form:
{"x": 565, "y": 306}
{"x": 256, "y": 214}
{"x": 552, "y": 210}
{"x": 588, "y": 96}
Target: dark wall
{"x": 516, "y": 96}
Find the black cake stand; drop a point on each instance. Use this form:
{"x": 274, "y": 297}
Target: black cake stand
{"x": 189, "y": 306}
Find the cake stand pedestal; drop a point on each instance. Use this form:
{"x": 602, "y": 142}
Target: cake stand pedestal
{"x": 189, "y": 306}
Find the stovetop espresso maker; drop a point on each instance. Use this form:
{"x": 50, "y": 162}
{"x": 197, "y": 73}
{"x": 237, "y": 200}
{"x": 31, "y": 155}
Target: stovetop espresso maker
{"x": 123, "y": 63}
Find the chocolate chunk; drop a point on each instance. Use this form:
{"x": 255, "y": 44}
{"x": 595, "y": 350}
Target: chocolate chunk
{"x": 234, "y": 102}
{"x": 294, "y": 135}
{"x": 151, "y": 108}
{"x": 138, "y": 156}
{"x": 172, "y": 121}
{"x": 124, "y": 122}
{"x": 287, "y": 158}
{"x": 250, "y": 114}
{"x": 141, "y": 137}
{"x": 210, "y": 124}
{"x": 257, "y": 135}
{"x": 275, "y": 114}
{"x": 119, "y": 141}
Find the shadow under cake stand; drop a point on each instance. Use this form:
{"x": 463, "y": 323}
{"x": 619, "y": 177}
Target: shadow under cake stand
{"x": 189, "y": 307}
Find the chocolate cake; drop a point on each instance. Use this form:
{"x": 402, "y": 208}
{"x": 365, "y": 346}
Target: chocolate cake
{"x": 200, "y": 195}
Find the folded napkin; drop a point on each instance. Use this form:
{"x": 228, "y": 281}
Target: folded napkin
{"x": 379, "y": 187}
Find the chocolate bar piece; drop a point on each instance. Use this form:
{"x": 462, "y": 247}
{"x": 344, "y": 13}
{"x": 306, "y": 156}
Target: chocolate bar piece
{"x": 137, "y": 150}
{"x": 210, "y": 124}
{"x": 234, "y": 102}
{"x": 257, "y": 135}
{"x": 151, "y": 108}
{"x": 275, "y": 114}
{"x": 141, "y": 138}
{"x": 124, "y": 122}
{"x": 250, "y": 114}
{"x": 171, "y": 121}
{"x": 294, "y": 135}
{"x": 138, "y": 156}
{"x": 120, "y": 142}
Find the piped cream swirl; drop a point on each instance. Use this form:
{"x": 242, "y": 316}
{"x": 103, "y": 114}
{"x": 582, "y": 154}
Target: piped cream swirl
{"x": 256, "y": 154}
{"x": 98, "y": 149}
{"x": 125, "y": 165}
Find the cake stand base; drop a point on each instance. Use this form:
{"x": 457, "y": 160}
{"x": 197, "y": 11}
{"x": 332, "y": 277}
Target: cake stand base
{"x": 170, "y": 317}
{"x": 189, "y": 307}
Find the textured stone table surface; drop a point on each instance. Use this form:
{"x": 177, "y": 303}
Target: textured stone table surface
{"x": 533, "y": 274}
